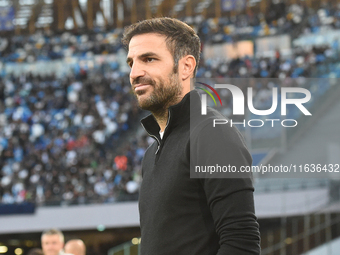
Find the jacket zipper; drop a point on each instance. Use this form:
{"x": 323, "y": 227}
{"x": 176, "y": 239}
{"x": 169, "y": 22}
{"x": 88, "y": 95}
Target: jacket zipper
{"x": 155, "y": 137}
{"x": 158, "y": 142}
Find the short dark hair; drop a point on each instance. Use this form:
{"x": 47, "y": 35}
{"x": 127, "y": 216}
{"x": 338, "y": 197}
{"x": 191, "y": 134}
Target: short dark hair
{"x": 54, "y": 231}
{"x": 181, "y": 39}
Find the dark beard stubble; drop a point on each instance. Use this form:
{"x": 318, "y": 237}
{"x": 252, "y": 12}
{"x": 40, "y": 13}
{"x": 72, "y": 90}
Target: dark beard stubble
{"x": 163, "y": 95}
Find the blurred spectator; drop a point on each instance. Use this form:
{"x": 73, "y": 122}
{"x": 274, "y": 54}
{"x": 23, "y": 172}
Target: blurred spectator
{"x": 52, "y": 242}
{"x": 75, "y": 247}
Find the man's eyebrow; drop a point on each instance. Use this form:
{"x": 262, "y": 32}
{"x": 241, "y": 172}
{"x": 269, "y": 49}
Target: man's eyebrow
{"x": 144, "y": 55}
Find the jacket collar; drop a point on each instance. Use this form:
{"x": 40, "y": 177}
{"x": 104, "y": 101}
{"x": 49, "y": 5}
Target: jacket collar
{"x": 178, "y": 114}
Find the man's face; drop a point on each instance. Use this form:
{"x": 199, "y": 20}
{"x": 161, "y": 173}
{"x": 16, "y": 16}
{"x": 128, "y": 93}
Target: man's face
{"x": 51, "y": 244}
{"x": 152, "y": 75}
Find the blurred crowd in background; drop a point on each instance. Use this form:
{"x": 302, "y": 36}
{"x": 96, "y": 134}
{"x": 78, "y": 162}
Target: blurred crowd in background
{"x": 75, "y": 139}
{"x": 279, "y": 18}
{"x": 58, "y": 138}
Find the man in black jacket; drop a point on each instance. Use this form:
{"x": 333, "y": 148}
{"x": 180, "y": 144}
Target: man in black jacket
{"x": 180, "y": 214}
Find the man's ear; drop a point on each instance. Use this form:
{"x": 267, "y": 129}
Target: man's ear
{"x": 188, "y": 64}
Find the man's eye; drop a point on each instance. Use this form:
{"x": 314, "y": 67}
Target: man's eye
{"x": 149, "y": 59}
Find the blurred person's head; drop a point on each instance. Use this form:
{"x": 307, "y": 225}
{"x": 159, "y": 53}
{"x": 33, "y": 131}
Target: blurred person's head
{"x": 75, "y": 247}
{"x": 52, "y": 242}
{"x": 163, "y": 54}
{"x": 35, "y": 251}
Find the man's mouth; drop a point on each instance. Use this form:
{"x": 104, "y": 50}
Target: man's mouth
{"x": 141, "y": 86}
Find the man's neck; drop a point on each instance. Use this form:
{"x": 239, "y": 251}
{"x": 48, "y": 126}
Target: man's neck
{"x": 162, "y": 115}
{"x": 161, "y": 118}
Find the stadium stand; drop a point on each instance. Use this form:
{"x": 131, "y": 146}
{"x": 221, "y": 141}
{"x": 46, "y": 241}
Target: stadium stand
{"x": 66, "y": 134}
{"x": 60, "y": 133}
{"x": 54, "y": 135}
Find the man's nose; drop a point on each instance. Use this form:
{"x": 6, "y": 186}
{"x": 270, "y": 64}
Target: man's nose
{"x": 136, "y": 71}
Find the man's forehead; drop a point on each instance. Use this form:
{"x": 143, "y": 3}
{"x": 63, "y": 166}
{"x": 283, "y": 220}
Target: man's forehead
{"x": 54, "y": 236}
{"x": 147, "y": 42}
